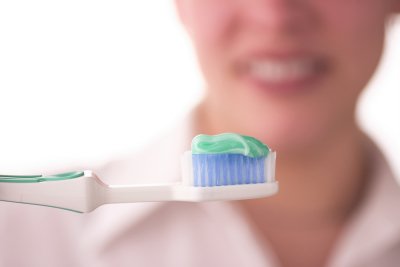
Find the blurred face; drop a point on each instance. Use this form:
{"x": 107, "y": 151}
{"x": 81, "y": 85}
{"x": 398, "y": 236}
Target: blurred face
{"x": 288, "y": 72}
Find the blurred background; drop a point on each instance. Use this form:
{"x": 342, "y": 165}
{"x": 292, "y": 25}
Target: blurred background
{"x": 83, "y": 82}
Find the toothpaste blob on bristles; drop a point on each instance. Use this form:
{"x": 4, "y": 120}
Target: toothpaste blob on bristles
{"x": 229, "y": 159}
{"x": 229, "y": 143}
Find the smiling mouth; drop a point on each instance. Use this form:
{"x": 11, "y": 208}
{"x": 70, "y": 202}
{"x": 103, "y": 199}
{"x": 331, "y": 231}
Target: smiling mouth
{"x": 283, "y": 74}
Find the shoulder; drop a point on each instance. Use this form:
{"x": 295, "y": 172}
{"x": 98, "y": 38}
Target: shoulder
{"x": 180, "y": 234}
{"x": 157, "y": 162}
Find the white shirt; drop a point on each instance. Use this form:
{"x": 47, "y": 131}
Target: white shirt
{"x": 182, "y": 234}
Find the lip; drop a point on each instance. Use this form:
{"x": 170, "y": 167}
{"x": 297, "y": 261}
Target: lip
{"x": 282, "y": 73}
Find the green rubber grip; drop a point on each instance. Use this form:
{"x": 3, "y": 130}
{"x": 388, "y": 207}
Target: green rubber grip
{"x": 40, "y": 178}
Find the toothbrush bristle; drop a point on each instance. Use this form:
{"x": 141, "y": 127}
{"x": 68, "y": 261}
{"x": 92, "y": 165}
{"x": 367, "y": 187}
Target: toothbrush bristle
{"x": 227, "y": 169}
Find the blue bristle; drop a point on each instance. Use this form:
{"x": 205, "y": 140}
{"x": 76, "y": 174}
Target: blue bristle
{"x": 247, "y": 171}
{"x": 227, "y": 169}
{"x": 196, "y": 173}
{"x": 239, "y": 167}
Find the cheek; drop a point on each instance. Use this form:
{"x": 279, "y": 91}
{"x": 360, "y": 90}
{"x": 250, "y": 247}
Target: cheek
{"x": 353, "y": 16}
{"x": 353, "y": 36}
{"x": 210, "y": 26}
{"x": 210, "y": 21}
{"x": 355, "y": 32}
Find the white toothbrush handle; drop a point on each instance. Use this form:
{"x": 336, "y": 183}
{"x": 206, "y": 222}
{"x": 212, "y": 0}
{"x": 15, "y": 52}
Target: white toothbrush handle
{"x": 138, "y": 193}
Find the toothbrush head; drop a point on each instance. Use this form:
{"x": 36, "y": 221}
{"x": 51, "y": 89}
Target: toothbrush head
{"x": 229, "y": 167}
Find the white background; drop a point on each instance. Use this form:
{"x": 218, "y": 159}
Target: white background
{"x": 84, "y": 81}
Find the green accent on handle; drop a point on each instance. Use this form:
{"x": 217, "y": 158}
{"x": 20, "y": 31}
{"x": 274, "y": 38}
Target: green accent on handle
{"x": 76, "y": 211}
{"x": 40, "y": 178}
{"x": 229, "y": 143}
{"x": 20, "y": 176}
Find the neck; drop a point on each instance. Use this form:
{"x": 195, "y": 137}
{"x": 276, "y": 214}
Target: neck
{"x": 322, "y": 184}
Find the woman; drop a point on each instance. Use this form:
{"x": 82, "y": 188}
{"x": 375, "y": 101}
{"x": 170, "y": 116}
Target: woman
{"x": 290, "y": 74}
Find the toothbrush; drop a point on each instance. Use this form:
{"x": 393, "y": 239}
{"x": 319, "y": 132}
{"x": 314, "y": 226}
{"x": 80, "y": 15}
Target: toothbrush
{"x": 83, "y": 191}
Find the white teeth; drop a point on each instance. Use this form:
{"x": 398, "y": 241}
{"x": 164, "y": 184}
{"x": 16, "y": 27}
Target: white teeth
{"x": 275, "y": 71}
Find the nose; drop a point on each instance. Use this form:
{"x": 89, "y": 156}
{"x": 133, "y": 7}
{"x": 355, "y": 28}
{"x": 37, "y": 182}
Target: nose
{"x": 277, "y": 15}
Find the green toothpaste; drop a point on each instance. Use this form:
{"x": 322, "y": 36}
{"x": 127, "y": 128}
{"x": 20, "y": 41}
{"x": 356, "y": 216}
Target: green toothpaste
{"x": 229, "y": 143}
